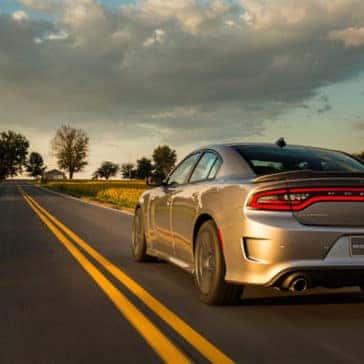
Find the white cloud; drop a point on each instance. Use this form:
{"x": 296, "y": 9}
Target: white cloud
{"x": 352, "y": 37}
{"x": 53, "y": 36}
{"x": 158, "y": 37}
{"x": 57, "y": 36}
{"x": 84, "y": 14}
{"x": 229, "y": 23}
{"x": 190, "y": 14}
{"x": 307, "y": 15}
{"x": 178, "y": 112}
{"x": 19, "y": 16}
{"x": 247, "y": 18}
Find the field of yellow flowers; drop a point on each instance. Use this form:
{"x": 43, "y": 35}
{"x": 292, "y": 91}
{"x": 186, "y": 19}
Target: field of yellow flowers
{"x": 122, "y": 194}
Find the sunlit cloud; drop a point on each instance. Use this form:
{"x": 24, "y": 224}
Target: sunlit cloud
{"x": 19, "y": 16}
{"x": 158, "y": 37}
{"x": 182, "y": 72}
{"x": 352, "y": 37}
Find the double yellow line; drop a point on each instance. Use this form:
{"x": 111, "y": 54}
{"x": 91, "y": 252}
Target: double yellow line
{"x": 166, "y": 350}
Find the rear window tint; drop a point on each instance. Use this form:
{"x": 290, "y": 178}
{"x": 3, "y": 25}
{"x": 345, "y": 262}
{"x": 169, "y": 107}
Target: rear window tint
{"x": 273, "y": 159}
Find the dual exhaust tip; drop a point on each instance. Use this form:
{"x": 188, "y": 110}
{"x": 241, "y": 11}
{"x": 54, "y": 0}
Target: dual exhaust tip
{"x": 297, "y": 283}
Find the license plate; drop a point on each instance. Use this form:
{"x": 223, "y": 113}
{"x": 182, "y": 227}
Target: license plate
{"x": 357, "y": 245}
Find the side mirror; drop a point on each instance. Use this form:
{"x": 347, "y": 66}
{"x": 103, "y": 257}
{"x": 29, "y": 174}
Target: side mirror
{"x": 155, "y": 181}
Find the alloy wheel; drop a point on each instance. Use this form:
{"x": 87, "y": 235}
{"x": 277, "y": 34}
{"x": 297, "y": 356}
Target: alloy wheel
{"x": 138, "y": 235}
{"x": 205, "y": 262}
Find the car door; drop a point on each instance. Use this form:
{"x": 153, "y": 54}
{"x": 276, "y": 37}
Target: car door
{"x": 185, "y": 206}
{"x": 161, "y": 205}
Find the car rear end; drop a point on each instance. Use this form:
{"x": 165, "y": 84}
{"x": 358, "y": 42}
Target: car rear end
{"x": 301, "y": 227}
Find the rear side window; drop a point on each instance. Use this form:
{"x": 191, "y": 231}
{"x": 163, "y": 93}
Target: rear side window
{"x": 273, "y": 159}
{"x": 206, "y": 167}
{"x": 183, "y": 171}
{"x": 214, "y": 169}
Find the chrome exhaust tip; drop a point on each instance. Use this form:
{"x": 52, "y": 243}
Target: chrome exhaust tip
{"x": 297, "y": 282}
{"x": 299, "y": 285}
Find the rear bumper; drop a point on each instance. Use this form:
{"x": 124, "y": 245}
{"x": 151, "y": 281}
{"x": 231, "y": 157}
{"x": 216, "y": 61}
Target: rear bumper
{"x": 329, "y": 277}
{"x": 280, "y": 246}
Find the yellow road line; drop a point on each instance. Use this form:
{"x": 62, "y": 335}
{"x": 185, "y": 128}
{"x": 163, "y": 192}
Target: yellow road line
{"x": 168, "y": 352}
{"x": 200, "y": 343}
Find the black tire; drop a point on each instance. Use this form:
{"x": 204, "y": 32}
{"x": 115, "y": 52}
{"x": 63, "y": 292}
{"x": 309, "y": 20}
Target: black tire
{"x": 139, "y": 244}
{"x": 210, "y": 269}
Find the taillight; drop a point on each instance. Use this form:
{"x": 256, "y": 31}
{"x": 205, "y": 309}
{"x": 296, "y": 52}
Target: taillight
{"x": 297, "y": 199}
{"x": 270, "y": 200}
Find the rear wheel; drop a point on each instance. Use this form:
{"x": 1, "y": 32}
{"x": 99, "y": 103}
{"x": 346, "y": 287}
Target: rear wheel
{"x": 210, "y": 269}
{"x": 139, "y": 244}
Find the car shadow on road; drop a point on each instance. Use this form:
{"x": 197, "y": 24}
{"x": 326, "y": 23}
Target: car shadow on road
{"x": 309, "y": 299}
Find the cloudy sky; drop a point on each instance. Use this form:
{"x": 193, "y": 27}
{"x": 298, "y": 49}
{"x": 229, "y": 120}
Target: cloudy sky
{"x": 135, "y": 74}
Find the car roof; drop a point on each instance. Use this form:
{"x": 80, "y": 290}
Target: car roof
{"x": 232, "y": 145}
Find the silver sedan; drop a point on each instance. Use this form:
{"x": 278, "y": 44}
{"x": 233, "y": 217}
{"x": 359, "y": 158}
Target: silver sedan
{"x": 270, "y": 215}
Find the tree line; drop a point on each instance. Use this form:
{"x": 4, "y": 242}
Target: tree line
{"x": 163, "y": 160}
{"x": 70, "y": 147}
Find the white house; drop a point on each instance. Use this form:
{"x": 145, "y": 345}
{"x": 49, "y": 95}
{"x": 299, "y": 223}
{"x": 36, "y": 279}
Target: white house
{"x": 54, "y": 175}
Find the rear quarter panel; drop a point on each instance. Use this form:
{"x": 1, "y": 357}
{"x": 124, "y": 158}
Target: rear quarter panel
{"x": 222, "y": 201}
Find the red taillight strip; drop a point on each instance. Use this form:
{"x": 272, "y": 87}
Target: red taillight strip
{"x": 270, "y": 193}
{"x": 270, "y": 207}
{"x": 327, "y": 189}
{"x": 273, "y": 205}
{"x": 292, "y": 205}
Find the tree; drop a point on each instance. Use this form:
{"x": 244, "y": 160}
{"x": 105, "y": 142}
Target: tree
{"x": 106, "y": 170}
{"x": 360, "y": 156}
{"x": 35, "y": 165}
{"x": 128, "y": 170}
{"x": 71, "y": 147}
{"x": 164, "y": 160}
{"x": 144, "y": 168}
{"x": 13, "y": 154}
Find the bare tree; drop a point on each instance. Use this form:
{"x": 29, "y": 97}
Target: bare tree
{"x": 71, "y": 146}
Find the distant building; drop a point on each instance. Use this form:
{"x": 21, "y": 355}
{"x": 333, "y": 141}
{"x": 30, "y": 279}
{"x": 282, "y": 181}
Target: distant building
{"x": 54, "y": 175}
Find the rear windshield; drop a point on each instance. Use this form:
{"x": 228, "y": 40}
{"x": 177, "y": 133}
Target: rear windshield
{"x": 273, "y": 159}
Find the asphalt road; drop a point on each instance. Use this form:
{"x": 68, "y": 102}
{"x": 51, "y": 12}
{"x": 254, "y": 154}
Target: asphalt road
{"x": 61, "y": 305}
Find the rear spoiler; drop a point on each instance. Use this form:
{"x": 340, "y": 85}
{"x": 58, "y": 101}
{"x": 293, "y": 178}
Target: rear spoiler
{"x": 292, "y": 175}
